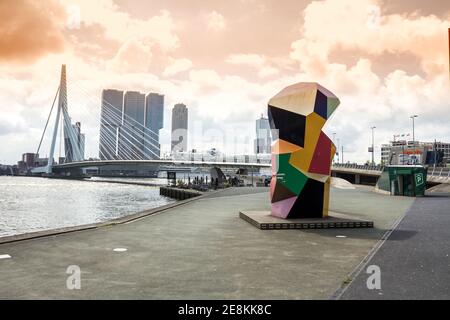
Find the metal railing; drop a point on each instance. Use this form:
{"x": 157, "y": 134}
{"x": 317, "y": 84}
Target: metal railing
{"x": 358, "y": 166}
{"x": 435, "y": 172}
{"x": 439, "y": 172}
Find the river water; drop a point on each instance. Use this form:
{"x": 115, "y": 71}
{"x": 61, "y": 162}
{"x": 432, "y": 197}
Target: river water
{"x": 29, "y": 204}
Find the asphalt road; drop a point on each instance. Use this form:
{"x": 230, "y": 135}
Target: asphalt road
{"x": 414, "y": 261}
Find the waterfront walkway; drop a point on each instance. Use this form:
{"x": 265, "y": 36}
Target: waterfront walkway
{"x": 202, "y": 250}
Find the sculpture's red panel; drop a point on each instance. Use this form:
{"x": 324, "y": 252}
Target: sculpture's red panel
{"x": 321, "y": 159}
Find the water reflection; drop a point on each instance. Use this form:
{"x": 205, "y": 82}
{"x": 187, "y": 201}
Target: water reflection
{"x": 30, "y": 204}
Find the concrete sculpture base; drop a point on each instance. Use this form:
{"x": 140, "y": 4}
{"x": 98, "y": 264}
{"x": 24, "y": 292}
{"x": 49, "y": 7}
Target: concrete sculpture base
{"x": 265, "y": 221}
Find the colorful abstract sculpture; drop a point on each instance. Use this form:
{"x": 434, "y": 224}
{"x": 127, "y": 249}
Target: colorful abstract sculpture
{"x": 301, "y": 152}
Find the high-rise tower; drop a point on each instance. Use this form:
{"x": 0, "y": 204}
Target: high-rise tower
{"x": 262, "y": 141}
{"x": 131, "y": 134}
{"x": 110, "y": 122}
{"x": 154, "y": 118}
{"x": 179, "y": 128}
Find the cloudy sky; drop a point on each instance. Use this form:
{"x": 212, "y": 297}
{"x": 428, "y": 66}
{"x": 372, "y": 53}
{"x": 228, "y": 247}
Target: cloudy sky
{"x": 385, "y": 60}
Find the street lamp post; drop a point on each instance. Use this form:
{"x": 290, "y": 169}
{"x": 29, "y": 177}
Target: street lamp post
{"x": 403, "y": 154}
{"x": 414, "y": 140}
{"x": 373, "y": 143}
{"x": 434, "y": 162}
{"x": 334, "y": 137}
{"x": 412, "y": 117}
{"x": 338, "y": 149}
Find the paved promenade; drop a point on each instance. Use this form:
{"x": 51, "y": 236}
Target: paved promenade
{"x": 201, "y": 250}
{"x": 415, "y": 260}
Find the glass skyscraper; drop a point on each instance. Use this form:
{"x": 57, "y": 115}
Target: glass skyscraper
{"x": 263, "y": 140}
{"x": 154, "y": 118}
{"x": 131, "y": 133}
{"x": 110, "y": 122}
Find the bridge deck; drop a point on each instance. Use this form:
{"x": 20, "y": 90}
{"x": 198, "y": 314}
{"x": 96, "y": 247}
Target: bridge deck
{"x": 84, "y": 164}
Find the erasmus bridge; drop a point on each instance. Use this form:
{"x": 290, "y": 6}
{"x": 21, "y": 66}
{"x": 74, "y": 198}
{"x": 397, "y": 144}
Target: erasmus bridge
{"x": 139, "y": 149}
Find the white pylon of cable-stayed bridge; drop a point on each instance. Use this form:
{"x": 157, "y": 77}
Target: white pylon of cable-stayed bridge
{"x": 68, "y": 130}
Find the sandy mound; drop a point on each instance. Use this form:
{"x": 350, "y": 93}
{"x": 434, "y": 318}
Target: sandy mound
{"x": 341, "y": 183}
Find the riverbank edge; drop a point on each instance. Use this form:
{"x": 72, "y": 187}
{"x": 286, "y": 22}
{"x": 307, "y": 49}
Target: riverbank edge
{"x": 122, "y": 220}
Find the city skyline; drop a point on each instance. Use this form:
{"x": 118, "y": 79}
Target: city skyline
{"x": 129, "y": 124}
{"x": 227, "y": 73}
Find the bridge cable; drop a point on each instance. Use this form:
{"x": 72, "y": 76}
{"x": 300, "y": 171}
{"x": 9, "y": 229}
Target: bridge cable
{"x": 48, "y": 119}
{"x": 106, "y": 136}
{"x": 75, "y": 152}
{"x": 107, "y": 146}
{"x": 139, "y": 143}
{"x": 130, "y": 132}
{"x": 60, "y": 138}
{"x": 89, "y": 96}
{"x": 126, "y": 126}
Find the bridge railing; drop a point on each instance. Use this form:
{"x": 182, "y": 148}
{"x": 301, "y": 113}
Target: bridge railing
{"x": 442, "y": 172}
{"x": 439, "y": 172}
{"x": 220, "y": 157}
{"x": 358, "y": 166}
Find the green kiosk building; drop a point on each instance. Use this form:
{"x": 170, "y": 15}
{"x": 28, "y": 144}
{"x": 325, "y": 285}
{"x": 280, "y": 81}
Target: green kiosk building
{"x": 406, "y": 180}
